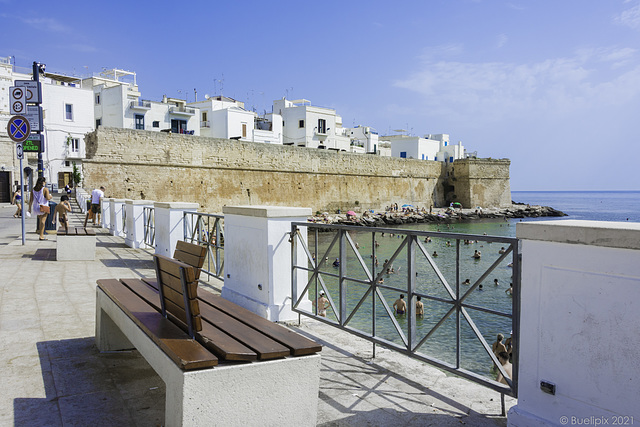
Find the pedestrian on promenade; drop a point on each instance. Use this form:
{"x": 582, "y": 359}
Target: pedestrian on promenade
{"x": 61, "y": 211}
{"x": 40, "y": 195}
{"x": 96, "y": 198}
{"x": 17, "y": 200}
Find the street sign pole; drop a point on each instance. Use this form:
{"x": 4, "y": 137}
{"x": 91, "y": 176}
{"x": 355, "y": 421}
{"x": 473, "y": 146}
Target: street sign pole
{"x": 24, "y": 195}
{"x": 36, "y": 77}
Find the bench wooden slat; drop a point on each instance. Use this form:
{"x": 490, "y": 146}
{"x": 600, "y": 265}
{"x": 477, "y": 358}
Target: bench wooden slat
{"x": 216, "y": 341}
{"x": 187, "y": 353}
{"x": 298, "y": 344}
{"x": 172, "y": 267}
{"x": 90, "y": 231}
{"x": 191, "y": 254}
{"x": 265, "y": 347}
{"x": 62, "y": 231}
{"x": 174, "y": 283}
{"x": 180, "y": 315}
{"x": 177, "y": 298}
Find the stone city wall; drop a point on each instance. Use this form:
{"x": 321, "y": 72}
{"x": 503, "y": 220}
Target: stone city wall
{"x": 478, "y": 182}
{"x": 216, "y": 172}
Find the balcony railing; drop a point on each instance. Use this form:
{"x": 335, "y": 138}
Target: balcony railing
{"x": 141, "y": 104}
{"x": 207, "y": 230}
{"x": 182, "y": 110}
{"x": 204, "y": 124}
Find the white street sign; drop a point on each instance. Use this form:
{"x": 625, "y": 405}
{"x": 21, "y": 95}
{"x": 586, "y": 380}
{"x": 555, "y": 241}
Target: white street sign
{"x": 33, "y": 115}
{"x": 32, "y": 90}
{"x": 19, "y": 151}
{"x": 17, "y": 100}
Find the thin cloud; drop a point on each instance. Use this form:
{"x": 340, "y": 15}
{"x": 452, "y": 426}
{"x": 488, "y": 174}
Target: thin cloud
{"x": 499, "y": 90}
{"x": 502, "y": 40}
{"x": 47, "y": 24}
{"x": 629, "y": 17}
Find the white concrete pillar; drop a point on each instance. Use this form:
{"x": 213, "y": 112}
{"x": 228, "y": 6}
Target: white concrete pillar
{"x": 169, "y": 223}
{"x": 116, "y": 224}
{"x": 257, "y": 259}
{"x": 105, "y": 209}
{"x": 134, "y": 237}
{"x": 579, "y": 320}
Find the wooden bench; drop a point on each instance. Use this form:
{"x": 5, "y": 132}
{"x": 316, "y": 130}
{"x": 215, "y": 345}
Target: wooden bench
{"x": 254, "y": 359}
{"x": 77, "y": 244}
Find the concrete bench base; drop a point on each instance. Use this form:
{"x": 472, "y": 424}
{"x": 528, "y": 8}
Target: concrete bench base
{"x": 75, "y": 248}
{"x": 278, "y": 392}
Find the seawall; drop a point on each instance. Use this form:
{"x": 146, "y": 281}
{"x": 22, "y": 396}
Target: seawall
{"x": 215, "y": 172}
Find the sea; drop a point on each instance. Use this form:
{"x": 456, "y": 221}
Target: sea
{"x": 441, "y": 343}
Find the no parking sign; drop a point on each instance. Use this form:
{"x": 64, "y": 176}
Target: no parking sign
{"x": 18, "y": 128}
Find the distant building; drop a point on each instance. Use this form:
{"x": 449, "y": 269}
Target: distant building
{"x": 364, "y": 139}
{"x": 431, "y": 147}
{"x": 305, "y": 125}
{"x": 224, "y": 117}
{"x": 118, "y": 103}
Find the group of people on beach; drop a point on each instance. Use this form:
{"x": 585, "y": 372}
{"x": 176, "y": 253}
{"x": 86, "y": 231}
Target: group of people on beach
{"x": 504, "y": 354}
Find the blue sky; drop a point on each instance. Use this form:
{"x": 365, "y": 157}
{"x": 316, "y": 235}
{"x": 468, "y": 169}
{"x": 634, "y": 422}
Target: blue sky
{"x": 552, "y": 85}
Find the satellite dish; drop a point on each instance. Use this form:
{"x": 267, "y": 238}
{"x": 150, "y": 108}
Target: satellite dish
{"x": 206, "y": 96}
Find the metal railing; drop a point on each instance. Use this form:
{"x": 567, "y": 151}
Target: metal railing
{"x": 148, "y": 214}
{"x": 124, "y": 220}
{"x": 358, "y": 300}
{"x": 207, "y": 230}
{"x": 182, "y": 109}
{"x": 141, "y": 104}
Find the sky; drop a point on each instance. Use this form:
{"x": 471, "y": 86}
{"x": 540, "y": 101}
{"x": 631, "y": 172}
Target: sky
{"x": 554, "y": 86}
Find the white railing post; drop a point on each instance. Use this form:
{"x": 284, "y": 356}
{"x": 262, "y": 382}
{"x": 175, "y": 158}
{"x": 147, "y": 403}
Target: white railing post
{"x": 169, "y": 224}
{"x": 105, "y": 209}
{"x": 135, "y": 222}
{"x": 257, "y": 259}
{"x": 115, "y": 211}
{"x": 580, "y": 311}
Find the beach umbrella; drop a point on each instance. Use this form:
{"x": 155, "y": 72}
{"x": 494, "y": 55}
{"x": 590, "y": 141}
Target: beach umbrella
{"x": 407, "y": 206}
{"x": 351, "y": 213}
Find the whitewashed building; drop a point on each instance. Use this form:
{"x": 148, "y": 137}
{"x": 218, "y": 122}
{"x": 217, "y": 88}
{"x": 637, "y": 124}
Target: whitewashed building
{"x": 364, "y": 139}
{"x": 432, "y": 147}
{"x": 67, "y": 117}
{"x": 118, "y": 103}
{"x": 224, "y": 117}
{"x": 305, "y": 125}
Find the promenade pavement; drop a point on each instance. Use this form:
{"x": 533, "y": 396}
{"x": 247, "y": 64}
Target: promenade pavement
{"x": 53, "y": 375}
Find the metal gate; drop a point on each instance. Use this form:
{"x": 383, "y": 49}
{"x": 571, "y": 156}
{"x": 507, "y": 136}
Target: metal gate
{"x": 359, "y": 301}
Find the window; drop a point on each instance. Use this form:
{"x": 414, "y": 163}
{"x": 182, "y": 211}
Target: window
{"x": 98, "y": 122}
{"x": 74, "y": 145}
{"x": 300, "y": 123}
{"x": 322, "y": 126}
{"x": 204, "y": 116}
{"x": 403, "y": 154}
{"x": 244, "y": 130}
{"x": 156, "y": 124}
{"x": 68, "y": 112}
{"x": 139, "y": 121}
{"x": 67, "y": 163}
{"x": 178, "y": 126}
{"x": 97, "y": 99}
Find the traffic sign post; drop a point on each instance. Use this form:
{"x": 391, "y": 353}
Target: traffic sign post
{"x": 19, "y": 151}
{"x": 18, "y": 128}
{"x": 32, "y": 89}
{"x": 17, "y": 100}
{"x": 34, "y": 116}
{"x": 32, "y": 144}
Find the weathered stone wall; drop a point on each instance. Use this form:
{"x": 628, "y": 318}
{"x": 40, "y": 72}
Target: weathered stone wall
{"x": 216, "y": 172}
{"x": 478, "y": 182}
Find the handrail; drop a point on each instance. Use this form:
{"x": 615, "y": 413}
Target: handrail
{"x": 207, "y": 230}
{"x": 149, "y": 226}
{"x": 355, "y": 291}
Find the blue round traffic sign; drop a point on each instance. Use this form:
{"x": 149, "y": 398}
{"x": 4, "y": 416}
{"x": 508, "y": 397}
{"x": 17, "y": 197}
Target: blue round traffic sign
{"x": 18, "y": 128}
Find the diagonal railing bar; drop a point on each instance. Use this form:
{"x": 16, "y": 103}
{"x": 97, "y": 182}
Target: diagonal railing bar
{"x": 435, "y": 327}
{"x": 485, "y": 274}
{"x": 393, "y": 257}
{"x": 484, "y": 343}
{"x": 356, "y": 251}
{"x": 206, "y": 230}
{"x": 149, "y": 226}
{"x": 392, "y": 317}
{"x": 360, "y": 302}
{"x": 436, "y": 270}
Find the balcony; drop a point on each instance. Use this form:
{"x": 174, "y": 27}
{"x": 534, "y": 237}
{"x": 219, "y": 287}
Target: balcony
{"x": 182, "y": 111}
{"x": 204, "y": 124}
{"x": 140, "y": 105}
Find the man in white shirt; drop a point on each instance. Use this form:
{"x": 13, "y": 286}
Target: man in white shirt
{"x": 96, "y": 198}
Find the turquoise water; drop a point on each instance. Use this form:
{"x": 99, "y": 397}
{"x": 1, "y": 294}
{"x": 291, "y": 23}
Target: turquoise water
{"x": 601, "y": 206}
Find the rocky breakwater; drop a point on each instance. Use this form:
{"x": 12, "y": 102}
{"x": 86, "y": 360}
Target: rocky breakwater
{"x": 446, "y": 216}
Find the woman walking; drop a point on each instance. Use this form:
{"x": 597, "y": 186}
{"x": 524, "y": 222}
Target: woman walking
{"x": 17, "y": 200}
{"x": 40, "y": 195}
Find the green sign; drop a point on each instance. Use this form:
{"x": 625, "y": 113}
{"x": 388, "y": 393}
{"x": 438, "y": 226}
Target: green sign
{"x": 31, "y": 146}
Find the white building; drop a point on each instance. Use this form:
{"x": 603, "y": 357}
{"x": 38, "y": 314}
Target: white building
{"x": 224, "y": 117}
{"x": 305, "y": 125}
{"x": 118, "y": 103}
{"x": 364, "y": 139}
{"x": 432, "y": 147}
{"x": 67, "y": 117}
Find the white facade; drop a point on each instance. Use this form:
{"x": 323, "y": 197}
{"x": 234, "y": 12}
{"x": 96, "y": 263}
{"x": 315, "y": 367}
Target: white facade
{"x": 365, "y": 138}
{"x": 305, "y": 125}
{"x": 431, "y": 147}
{"x": 268, "y": 129}
{"x": 118, "y": 103}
